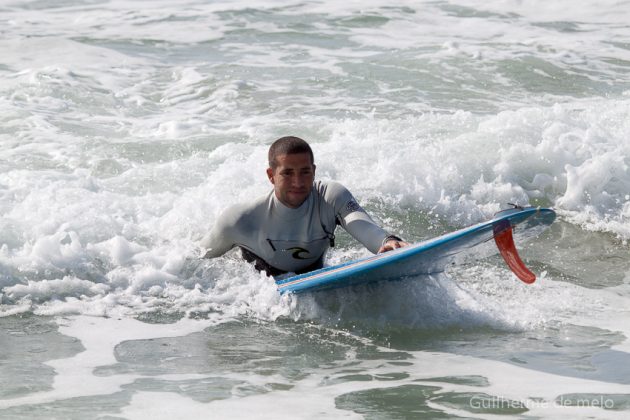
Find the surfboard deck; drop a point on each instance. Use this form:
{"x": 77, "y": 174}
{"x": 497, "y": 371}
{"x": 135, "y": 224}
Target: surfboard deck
{"x": 432, "y": 256}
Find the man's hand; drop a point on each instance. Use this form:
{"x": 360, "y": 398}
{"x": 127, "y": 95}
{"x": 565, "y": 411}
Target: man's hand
{"x": 391, "y": 245}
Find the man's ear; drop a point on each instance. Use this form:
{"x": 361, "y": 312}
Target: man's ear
{"x": 270, "y": 175}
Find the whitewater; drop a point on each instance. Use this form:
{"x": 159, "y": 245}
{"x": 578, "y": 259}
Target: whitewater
{"x": 127, "y": 127}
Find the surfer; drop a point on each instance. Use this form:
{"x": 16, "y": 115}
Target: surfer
{"x": 291, "y": 228}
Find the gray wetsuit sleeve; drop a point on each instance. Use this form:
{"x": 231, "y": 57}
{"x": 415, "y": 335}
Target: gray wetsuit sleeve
{"x": 354, "y": 219}
{"x": 364, "y": 230}
{"x": 221, "y": 238}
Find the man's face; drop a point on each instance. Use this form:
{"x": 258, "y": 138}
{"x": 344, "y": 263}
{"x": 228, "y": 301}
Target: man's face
{"x": 292, "y": 178}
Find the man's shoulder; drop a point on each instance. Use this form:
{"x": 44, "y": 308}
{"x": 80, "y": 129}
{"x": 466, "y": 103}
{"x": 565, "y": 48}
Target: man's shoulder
{"x": 329, "y": 188}
{"x": 334, "y": 194}
{"x": 244, "y": 212}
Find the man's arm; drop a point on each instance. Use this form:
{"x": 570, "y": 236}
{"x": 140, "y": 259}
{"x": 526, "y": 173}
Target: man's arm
{"x": 220, "y": 239}
{"x": 359, "y": 224}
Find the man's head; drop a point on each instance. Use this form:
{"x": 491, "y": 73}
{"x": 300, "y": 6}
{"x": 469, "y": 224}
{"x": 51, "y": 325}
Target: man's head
{"x": 289, "y": 145}
{"x": 291, "y": 170}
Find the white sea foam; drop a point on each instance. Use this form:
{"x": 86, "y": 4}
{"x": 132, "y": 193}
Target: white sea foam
{"x": 131, "y": 232}
{"x": 573, "y": 159}
{"x": 99, "y": 336}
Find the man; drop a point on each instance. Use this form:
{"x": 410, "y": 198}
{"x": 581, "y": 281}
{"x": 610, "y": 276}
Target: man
{"x": 291, "y": 228}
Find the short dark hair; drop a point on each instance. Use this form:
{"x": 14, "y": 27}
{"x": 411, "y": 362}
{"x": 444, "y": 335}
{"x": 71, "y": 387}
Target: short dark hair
{"x": 288, "y": 145}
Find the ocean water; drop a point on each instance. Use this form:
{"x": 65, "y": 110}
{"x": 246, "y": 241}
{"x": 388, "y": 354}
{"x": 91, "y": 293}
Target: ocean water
{"x": 126, "y": 127}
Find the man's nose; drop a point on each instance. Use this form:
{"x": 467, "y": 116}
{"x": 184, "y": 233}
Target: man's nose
{"x": 297, "y": 180}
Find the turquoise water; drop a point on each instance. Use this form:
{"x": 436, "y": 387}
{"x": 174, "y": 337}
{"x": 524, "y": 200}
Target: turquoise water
{"x": 128, "y": 126}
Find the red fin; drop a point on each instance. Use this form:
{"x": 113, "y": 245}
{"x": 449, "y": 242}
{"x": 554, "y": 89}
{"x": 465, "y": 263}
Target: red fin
{"x": 505, "y": 242}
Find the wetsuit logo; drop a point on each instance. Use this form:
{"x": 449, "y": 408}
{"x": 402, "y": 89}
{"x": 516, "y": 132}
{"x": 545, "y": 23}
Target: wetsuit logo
{"x": 297, "y": 251}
